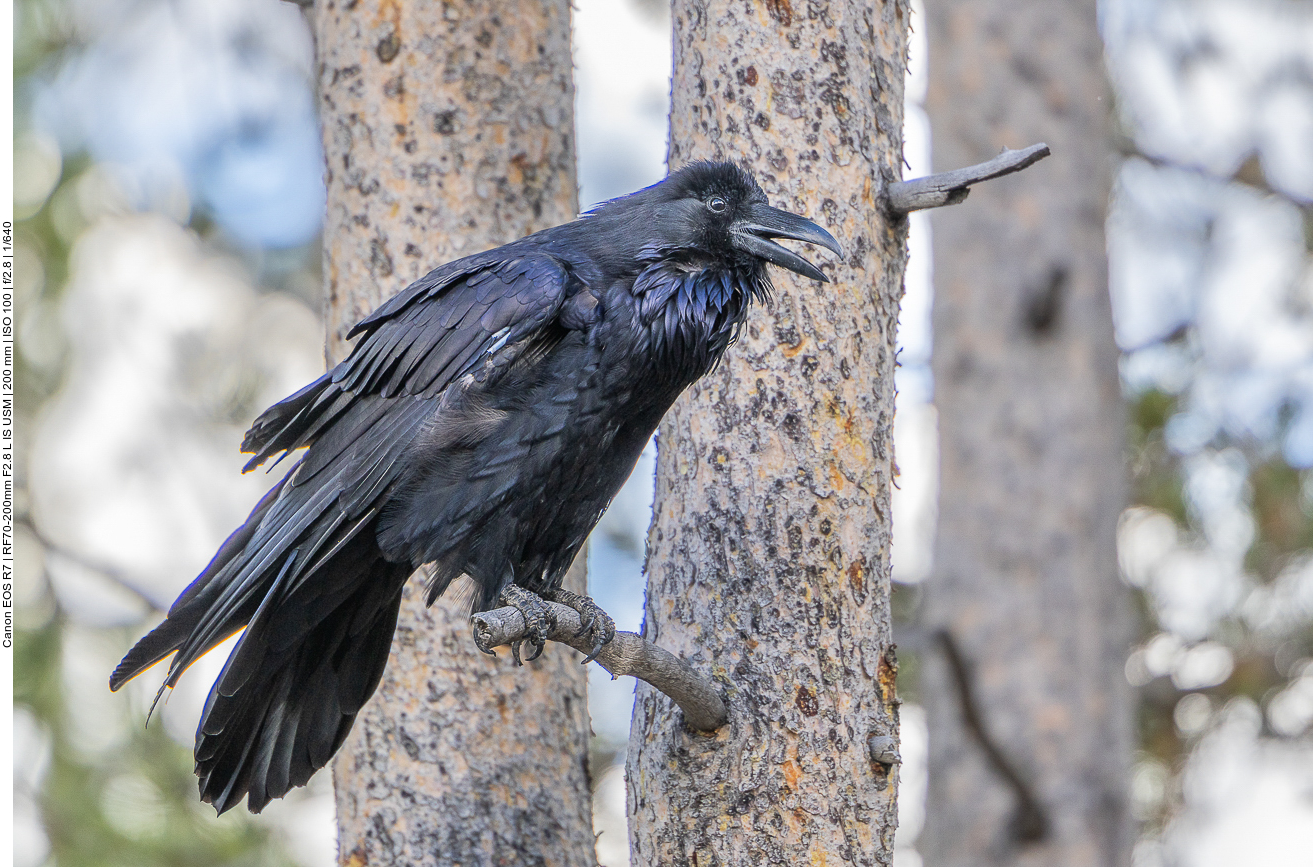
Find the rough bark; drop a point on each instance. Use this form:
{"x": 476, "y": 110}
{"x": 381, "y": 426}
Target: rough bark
{"x": 1025, "y": 588}
{"x": 448, "y": 129}
{"x": 768, "y": 554}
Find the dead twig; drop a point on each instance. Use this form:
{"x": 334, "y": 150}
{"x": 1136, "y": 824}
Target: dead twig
{"x": 1249, "y": 174}
{"x": 627, "y": 653}
{"x": 949, "y": 188}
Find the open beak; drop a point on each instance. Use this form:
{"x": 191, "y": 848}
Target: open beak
{"x": 763, "y": 223}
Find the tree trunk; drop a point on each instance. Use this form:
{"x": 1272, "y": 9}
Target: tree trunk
{"x": 449, "y": 129}
{"x": 1025, "y": 582}
{"x": 769, "y": 549}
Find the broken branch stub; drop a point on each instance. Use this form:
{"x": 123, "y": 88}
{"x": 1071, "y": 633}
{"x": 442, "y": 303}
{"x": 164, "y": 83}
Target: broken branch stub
{"x": 949, "y": 188}
{"x": 627, "y": 653}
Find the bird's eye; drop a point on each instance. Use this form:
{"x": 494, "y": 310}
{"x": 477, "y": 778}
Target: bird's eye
{"x": 717, "y": 205}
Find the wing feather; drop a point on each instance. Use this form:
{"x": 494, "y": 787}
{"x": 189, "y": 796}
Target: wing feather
{"x": 417, "y": 344}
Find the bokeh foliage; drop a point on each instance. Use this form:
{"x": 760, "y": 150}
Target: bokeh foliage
{"x": 131, "y": 801}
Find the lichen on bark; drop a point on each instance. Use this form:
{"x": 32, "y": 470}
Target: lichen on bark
{"x": 769, "y": 549}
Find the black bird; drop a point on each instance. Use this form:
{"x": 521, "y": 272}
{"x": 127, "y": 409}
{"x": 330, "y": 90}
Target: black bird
{"x": 481, "y": 424}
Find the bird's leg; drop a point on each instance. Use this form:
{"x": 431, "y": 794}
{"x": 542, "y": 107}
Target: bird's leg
{"x": 537, "y": 618}
{"x": 593, "y": 619}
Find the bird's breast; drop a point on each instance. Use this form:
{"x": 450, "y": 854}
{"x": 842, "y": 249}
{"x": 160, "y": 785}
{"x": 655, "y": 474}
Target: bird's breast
{"x": 687, "y": 319}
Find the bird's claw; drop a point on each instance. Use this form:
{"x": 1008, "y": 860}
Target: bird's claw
{"x": 537, "y": 650}
{"x": 537, "y": 620}
{"x": 598, "y": 644}
{"x": 592, "y": 618}
{"x": 588, "y": 623}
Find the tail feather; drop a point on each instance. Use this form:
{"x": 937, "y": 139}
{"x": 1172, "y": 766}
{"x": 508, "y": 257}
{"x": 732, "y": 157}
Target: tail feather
{"x": 242, "y": 666}
{"x": 317, "y": 596}
{"x": 191, "y": 607}
{"x": 282, "y": 719}
{"x": 319, "y": 602}
{"x": 282, "y": 772}
{"x": 295, "y": 523}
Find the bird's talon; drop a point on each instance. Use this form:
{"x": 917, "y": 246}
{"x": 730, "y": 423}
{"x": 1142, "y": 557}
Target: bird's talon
{"x": 482, "y": 644}
{"x": 594, "y": 620}
{"x": 588, "y": 624}
{"x": 600, "y": 641}
{"x": 537, "y": 620}
{"x": 538, "y": 647}
{"x": 481, "y": 637}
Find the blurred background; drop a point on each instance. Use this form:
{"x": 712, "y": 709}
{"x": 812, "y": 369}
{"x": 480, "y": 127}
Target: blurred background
{"x": 169, "y": 199}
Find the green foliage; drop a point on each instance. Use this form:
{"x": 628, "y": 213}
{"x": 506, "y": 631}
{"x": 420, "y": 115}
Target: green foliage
{"x": 1281, "y": 511}
{"x": 1159, "y": 737}
{"x": 131, "y": 803}
{"x": 1155, "y": 471}
{"x": 904, "y": 604}
{"x": 1280, "y": 503}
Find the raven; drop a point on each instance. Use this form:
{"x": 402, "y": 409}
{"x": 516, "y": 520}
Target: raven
{"x": 481, "y": 425}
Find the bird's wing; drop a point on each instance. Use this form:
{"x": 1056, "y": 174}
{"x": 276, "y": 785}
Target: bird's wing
{"x": 423, "y": 339}
{"x": 358, "y": 420}
{"x": 415, "y": 345}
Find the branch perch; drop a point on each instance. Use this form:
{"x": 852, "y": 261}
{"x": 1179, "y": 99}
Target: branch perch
{"x": 950, "y": 188}
{"x": 628, "y": 653}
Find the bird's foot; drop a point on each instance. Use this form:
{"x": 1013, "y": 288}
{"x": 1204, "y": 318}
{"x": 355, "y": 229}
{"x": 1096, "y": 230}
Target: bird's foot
{"x": 595, "y": 622}
{"x": 537, "y": 619}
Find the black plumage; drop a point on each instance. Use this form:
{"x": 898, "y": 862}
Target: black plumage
{"x": 483, "y": 421}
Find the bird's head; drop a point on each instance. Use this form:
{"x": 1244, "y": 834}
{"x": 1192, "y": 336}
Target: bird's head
{"x": 713, "y": 213}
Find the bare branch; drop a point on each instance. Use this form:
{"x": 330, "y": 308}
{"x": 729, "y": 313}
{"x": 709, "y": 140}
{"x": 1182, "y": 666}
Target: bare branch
{"x": 1249, "y": 174}
{"x": 116, "y": 576}
{"x": 949, "y": 188}
{"x": 627, "y": 653}
{"x": 1030, "y": 823}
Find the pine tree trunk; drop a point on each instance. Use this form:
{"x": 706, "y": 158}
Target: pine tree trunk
{"x": 449, "y": 129}
{"x": 1031, "y": 423}
{"x": 769, "y": 550}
